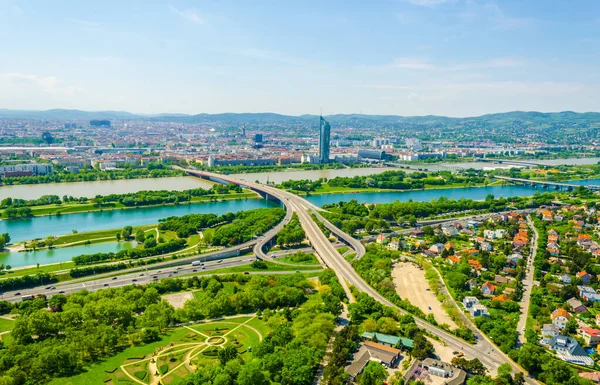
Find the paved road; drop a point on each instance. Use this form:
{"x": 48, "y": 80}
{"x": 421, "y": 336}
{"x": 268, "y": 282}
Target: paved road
{"x": 527, "y": 284}
{"x": 485, "y": 350}
{"x": 139, "y": 278}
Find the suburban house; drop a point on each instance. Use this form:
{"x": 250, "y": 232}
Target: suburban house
{"x": 393, "y": 245}
{"x": 500, "y": 279}
{"x": 560, "y": 317}
{"x": 373, "y": 351}
{"x": 585, "y": 277}
{"x": 592, "y": 376}
{"x": 382, "y": 239}
{"x": 565, "y": 278}
{"x": 449, "y": 231}
{"x": 475, "y": 308}
{"x": 591, "y": 336}
{"x": 437, "y": 248}
{"x": 588, "y": 293}
{"x": 576, "y": 305}
{"x": 549, "y": 331}
{"x": 388, "y": 340}
{"x": 417, "y": 233}
{"x": 569, "y": 350}
{"x": 488, "y": 289}
{"x": 454, "y": 260}
{"x": 451, "y": 375}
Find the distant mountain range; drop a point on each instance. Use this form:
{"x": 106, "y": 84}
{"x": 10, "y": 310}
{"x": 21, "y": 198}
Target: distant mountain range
{"x": 518, "y": 118}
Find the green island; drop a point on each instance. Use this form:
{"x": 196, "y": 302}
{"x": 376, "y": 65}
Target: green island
{"x": 54, "y": 205}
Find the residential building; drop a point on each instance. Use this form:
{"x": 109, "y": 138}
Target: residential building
{"x": 549, "y": 331}
{"x": 560, "y": 317}
{"x": 488, "y": 289}
{"x": 324, "y": 140}
{"x": 451, "y": 375}
{"x": 569, "y": 350}
{"x": 576, "y": 305}
{"x": 388, "y": 340}
{"x": 591, "y": 336}
{"x": 373, "y": 351}
{"x": 592, "y": 376}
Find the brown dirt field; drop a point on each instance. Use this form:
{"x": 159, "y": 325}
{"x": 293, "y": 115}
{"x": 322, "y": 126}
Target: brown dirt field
{"x": 411, "y": 284}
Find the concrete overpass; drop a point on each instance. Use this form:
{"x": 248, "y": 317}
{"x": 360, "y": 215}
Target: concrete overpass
{"x": 484, "y": 349}
{"x": 546, "y": 184}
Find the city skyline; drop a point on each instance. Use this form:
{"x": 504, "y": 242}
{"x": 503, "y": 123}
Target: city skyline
{"x": 414, "y": 57}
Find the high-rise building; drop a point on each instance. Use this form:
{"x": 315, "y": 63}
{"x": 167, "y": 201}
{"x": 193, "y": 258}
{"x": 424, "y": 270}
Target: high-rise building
{"x": 324, "y": 138}
{"x": 258, "y": 138}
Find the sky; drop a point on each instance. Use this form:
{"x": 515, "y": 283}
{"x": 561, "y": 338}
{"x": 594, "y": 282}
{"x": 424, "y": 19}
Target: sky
{"x": 401, "y": 57}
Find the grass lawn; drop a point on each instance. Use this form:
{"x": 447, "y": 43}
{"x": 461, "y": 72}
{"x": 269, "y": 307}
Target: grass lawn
{"x": 271, "y": 267}
{"x": 105, "y": 370}
{"x": 343, "y": 249}
{"x": 6, "y": 325}
{"x": 350, "y": 257}
{"x": 310, "y": 259}
{"x": 260, "y": 325}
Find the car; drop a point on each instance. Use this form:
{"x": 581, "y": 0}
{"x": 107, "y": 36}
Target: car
{"x": 160, "y": 271}
{"x": 245, "y": 272}
{"x": 53, "y": 288}
{"x": 155, "y": 277}
{"x": 175, "y": 272}
{"x": 219, "y": 261}
{"x": 141, "y": 275}
{"x": 49, "y": 287}
{"x": 18, "y": 293}
{"x": 523, "y": 328}
{"x": 114, "y": 278}
{"x": 428, "y": 289}
{"x": 297, "y": 271}
{"x": 179, "y": 268}
{"x": 195, "y": 271}
{"x": 105, "y": 285}
{"x": 61, "y": 292}
{"x": 455, "y": 352}
{"x": 203, "y": 267}
{"x": 429, "y": 307}
{"x": 134, "y": 280}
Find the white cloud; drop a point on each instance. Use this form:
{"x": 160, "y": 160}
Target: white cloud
{"x": 188, "y": 14}
{"x": 48, "y": 84}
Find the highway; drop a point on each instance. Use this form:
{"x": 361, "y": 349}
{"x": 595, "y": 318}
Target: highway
{"x": 484, "y": 349}
{"x": 138, "y": 278}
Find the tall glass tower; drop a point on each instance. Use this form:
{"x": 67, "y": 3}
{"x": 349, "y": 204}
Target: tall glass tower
{"x": 324, "y": 139}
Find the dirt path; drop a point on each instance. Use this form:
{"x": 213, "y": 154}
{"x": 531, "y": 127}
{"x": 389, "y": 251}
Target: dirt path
{"x": 411, "y": 284}
{"x": 178, "y": 300}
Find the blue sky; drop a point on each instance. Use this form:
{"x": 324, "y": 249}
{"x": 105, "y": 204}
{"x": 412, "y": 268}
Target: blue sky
{"x": 405, "y": 57}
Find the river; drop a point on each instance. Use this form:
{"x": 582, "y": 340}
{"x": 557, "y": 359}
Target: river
{"x": 102, "y": 187}
{"x": 41, "y": 227}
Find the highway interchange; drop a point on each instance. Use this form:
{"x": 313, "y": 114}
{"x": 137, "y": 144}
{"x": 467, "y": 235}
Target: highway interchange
{"x": 325, "y": 251}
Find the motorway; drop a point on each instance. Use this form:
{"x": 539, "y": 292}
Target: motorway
{"x": 484, "y": 349}
{"x": 139, "y": 278}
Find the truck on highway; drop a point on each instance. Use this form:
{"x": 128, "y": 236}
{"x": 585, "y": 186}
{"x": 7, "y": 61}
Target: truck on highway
{"x": 196, "y": 263}
{"x": 26, "y": 298}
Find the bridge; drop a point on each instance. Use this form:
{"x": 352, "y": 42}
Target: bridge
{"x": 484, "y": 349}
{"x": 547, "y": 184}
{"x": 513, "y": 162}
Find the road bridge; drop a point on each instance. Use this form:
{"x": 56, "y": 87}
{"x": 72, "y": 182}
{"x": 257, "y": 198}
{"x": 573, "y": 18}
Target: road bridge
{"x": 547, "y": 184}
{"x": 484, "y": 349}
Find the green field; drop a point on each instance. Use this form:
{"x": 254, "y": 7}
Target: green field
{"x": 175, "y": 356}
{"x": 6, "y": 325}
{"x": 73, "y": 208}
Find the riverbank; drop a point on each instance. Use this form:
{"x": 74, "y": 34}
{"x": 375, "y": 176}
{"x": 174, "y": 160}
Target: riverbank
{"x": 359, "y": 190}
{"x": 78, "y": 208}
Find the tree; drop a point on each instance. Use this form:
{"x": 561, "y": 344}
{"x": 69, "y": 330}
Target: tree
{"x": 251, "y": 374}
{"x": 118, "y": 237}
{"x": 140, "y": 236}
{"x": 571, "y": 326}
{"x": 4, "y": 240}
{"x": 227, "y": 354}
{"x": 373, "y": 374}
{"x": 422, "y": 348}
{"x": 126, "y": 232}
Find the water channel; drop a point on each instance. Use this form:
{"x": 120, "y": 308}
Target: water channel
{"x": 41, "y": 227}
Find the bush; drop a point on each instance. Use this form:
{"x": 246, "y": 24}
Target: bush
{"x": 164, "y": 368}
{"x": 141, "y": 374}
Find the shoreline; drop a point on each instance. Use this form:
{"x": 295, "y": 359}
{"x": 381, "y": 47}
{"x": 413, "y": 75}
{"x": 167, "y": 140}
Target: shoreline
{"x": 223, "y": 199}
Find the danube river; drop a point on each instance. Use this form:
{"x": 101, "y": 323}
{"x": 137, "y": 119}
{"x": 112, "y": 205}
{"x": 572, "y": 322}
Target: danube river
{"x": 41, "y": 227}
{"x": 102, "y": 187}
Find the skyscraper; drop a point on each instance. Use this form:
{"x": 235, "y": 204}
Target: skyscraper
{"x": 324, "y": 138}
